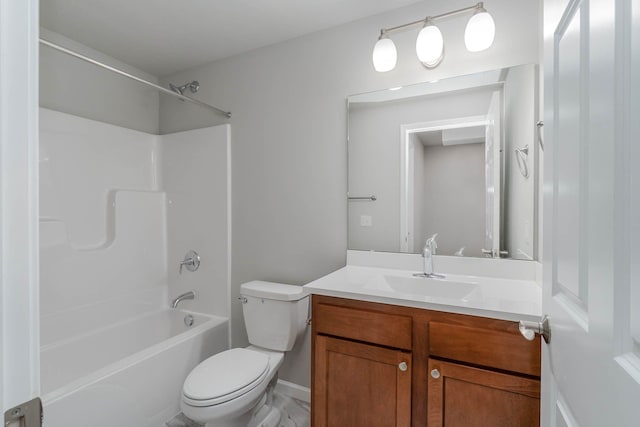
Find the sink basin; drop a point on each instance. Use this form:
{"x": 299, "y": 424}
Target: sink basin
{"x": 433, "y": 288}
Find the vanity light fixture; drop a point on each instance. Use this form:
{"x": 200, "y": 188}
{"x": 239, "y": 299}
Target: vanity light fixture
{"x": 430, "y": 45}
{"x": 480, "y": 31}
{"x": 478, "y": 36}
{"x": 384, "y": 54}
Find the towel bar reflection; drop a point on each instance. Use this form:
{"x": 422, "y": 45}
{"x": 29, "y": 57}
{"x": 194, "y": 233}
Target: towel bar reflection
{"x": 539, "y": 125}
{"x": 521, "y": 158}
{"x": 372, "y": 198}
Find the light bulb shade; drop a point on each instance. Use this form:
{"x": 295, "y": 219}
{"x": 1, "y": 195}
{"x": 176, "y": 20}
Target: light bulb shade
{"x": 480, "y": 31}
{"x": 430, "y": 46}
{"x": 384, "y": 55}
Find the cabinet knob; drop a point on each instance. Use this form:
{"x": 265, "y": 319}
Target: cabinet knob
{"x": 435, "y": 374}
{"x": 403, "y": 366}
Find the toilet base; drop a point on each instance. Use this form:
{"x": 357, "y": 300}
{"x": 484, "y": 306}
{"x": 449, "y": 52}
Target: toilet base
{"x": 264, "y": 413}
{"x": 268, "y": 418}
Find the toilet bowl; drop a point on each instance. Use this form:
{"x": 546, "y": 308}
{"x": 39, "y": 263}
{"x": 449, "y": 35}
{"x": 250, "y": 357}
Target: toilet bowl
{"x": 234, "y": 388}
{"x": 241, "y": 377}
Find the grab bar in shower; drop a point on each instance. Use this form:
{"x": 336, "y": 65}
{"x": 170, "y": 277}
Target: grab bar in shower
{"x": 132, "y": 77}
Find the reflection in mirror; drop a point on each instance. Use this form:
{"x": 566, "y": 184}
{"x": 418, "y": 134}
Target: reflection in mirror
{"x": 453, "y": 157}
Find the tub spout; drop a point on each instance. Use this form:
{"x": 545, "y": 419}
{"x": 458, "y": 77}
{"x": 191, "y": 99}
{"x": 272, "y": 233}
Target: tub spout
{"x": 186, "y": 295}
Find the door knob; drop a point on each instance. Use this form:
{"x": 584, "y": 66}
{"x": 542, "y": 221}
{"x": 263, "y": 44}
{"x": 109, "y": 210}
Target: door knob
{"x": 403, "y": 366}
{"x": 530, "y": 329}
{"x": 435, "y": 374}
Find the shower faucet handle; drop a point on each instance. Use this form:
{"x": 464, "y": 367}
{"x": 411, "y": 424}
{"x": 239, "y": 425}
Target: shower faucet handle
{"x": 191, "y": 261}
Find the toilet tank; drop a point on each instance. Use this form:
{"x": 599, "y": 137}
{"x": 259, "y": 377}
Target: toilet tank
{"x": 275, "y": 314}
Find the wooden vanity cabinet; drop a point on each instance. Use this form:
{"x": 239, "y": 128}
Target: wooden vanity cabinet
{"x": 361, "y": 366}
{"x": 383, "y": 365}
{"x": 462, "y": 396}
{"x": 482, "y": 377}
{"x": 361, "y": 384}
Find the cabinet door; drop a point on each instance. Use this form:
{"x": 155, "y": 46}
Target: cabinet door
{"x": 360, "y": 385}
{"x": 462, "y": 396}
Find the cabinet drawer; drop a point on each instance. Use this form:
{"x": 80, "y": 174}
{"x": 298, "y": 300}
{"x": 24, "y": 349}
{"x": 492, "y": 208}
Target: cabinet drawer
{"x": 391, "y": 330}
{"x": 500, "y": 349}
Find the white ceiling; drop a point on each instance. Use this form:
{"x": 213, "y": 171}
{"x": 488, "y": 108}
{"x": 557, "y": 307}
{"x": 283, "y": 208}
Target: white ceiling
{"x": 165, "y": 36}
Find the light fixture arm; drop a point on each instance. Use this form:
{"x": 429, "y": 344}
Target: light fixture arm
{"x": 421, "y": 22}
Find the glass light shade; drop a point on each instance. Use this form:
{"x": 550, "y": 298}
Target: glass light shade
{"x": 430, "y": 46}
{"x": 384, "y": 55}
{"x": 480, "y": 32}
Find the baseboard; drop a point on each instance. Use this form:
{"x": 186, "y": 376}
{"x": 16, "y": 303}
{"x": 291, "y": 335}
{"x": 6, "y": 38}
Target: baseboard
{"x": 294, "y": 390}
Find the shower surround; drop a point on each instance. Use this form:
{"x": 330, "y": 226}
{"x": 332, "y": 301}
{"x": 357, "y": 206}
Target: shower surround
{"x": 118, "y": 211}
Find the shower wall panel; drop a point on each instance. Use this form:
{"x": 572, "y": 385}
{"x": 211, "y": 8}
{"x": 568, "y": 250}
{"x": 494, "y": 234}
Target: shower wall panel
{"x": 196, "y": 178}
{"x": 119, "y": 209}
{"x": 102, "y": 224}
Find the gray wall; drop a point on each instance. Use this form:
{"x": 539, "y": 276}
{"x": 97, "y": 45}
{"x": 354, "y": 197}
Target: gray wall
{"x": 76, "y": 87}
{"x": 519, "y": 130}
{"x": 289, "y": 160}
{"x": 454, "y": 197}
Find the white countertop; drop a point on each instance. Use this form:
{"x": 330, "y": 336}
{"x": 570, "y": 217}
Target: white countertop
{"x": 493, "y": 297}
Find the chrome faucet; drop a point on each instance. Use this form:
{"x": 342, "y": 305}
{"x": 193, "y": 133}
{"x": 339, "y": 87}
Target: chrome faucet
{"x": 186, "y": 295}
{"x": 428, "y": 252}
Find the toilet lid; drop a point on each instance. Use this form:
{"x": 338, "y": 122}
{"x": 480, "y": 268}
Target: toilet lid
{"x": 226, "y": 375}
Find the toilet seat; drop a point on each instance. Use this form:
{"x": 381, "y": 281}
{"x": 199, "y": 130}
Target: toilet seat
{"x": 225, "y": 376}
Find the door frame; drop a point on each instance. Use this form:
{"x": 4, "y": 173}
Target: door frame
{"x": 19, "y": 297}
{"x": 406, "y": 168}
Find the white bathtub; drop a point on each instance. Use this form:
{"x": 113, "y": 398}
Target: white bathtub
{"x": 129, "y": 374}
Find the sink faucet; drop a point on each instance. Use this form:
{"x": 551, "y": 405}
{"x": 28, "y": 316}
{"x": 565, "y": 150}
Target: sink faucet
{"x": 428, "y": 252}
{"x": 186, "y": 295}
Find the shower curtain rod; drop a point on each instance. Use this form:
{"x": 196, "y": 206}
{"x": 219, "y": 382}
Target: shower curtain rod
{"x": 132, "y": 77}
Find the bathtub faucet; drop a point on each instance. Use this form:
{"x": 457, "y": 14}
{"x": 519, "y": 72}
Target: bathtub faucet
{"x": 186, "y": 295}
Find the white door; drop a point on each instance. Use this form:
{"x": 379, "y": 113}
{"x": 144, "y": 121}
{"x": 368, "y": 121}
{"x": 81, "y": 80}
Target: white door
{"x": 19, "y": 339}
{"x": 591, "y": 368}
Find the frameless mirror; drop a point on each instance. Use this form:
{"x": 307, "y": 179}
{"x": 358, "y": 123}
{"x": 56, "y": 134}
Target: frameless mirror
{"x": 456, "y": 158}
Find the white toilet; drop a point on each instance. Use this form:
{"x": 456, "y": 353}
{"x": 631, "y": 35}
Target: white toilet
{"x": 234, "y": 388}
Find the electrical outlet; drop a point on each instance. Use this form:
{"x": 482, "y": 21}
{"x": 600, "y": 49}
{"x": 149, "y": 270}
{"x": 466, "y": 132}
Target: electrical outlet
{"x": 366, "y": 220}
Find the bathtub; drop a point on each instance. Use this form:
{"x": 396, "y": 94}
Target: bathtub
{"x": 129, "y": 374}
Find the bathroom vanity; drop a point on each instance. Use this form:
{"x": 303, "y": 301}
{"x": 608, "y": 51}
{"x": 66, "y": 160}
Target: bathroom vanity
{"x": 390, "y": 349}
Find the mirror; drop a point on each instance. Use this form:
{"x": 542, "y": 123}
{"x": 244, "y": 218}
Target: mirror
{"x": 455, "y": 157}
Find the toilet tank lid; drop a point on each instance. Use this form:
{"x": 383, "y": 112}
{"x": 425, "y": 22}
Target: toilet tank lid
{"x": 274, "y": 291}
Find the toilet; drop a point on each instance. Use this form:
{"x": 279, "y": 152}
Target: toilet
{"x": 235, "y": 388}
